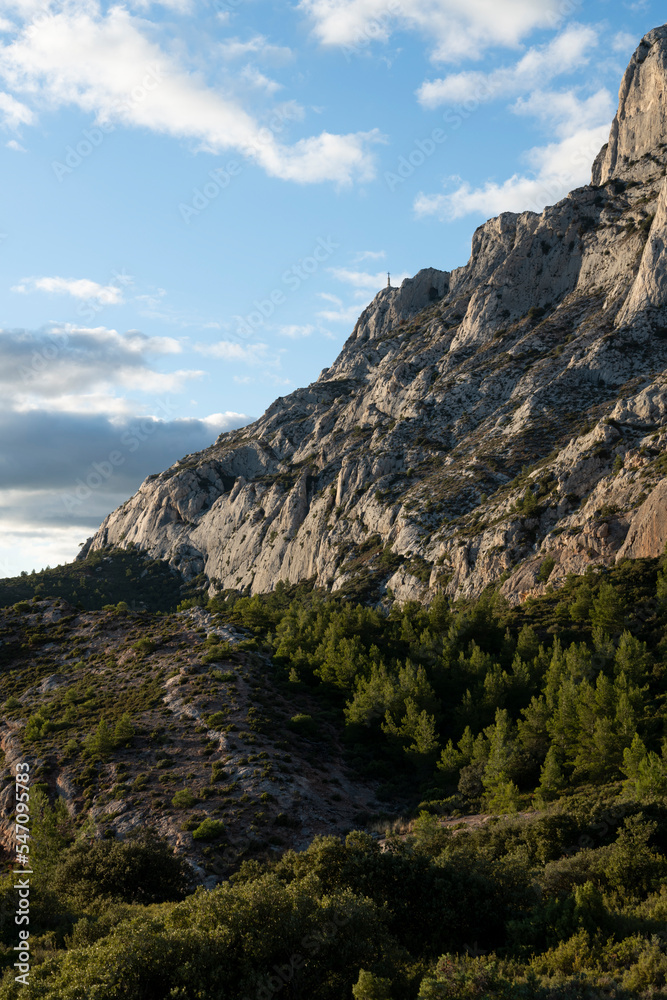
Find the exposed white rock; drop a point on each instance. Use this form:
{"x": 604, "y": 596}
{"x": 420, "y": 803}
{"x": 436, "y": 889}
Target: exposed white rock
{"x": 410, "y": 458}
{"x": 640, "y": 127}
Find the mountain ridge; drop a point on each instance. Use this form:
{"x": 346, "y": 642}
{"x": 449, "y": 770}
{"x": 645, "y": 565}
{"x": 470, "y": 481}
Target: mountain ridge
{"x": 504, "y": 423}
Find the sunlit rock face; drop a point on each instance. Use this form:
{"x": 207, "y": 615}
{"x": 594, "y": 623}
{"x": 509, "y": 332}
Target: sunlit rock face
{"x": 505, "y": 422}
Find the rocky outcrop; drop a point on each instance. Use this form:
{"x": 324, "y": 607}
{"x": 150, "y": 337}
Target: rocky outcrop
{"x": 648, "y": 297}
{"x": 639, "y": 130}
{"x": 647, "y": 536}
{"x": 505, "y": 421}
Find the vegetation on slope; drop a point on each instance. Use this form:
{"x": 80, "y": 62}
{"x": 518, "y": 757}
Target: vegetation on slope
{"x": 102, "y": 578}
{"x": 550, "y": 717}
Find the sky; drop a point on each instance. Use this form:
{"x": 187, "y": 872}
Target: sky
{"x": 199, "y": 198}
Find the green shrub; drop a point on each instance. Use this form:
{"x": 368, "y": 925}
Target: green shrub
{"x": 216, "y": 720}
{"x": 183, "y": 799}
{"x": 142, "y": 868}
{"x": 209, "y": 829}
{"x": 546, "y": 569}
{"x": 144, "y": 645}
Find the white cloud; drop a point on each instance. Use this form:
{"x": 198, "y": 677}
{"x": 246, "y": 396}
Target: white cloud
{"x": 624, "y": 42}
{"x": 557, "y": 169}
{"x": 250, "y": 76}
{"x": 57, "y": 367}
{"x": 360, "y": 279}
{"x": 582, "y": 127}
{"x": 78, "y": 288}
{"x": 567, "y": 52}
{"x": 346, "y": 314}
{"x": 108, "y": 67}
{"x": 229, "y": 350}
{"x": 296, "y": 332}
{"x": 16, "y": 146}
{"x": 219, "y": 422}
{"x": 234, "y": 48}
{"x": 369, "y": 255}
{"x": 13, "y": 113}
{"x": 328, "y": 297}
{"x": 564, "y": 112}
{"x": 455, "y": 28}
{"x": 26, "y": 547}
{"x": 40, "y": 505}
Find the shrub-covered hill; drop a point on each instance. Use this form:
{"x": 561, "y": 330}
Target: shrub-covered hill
{"x": 568, "y": 905}
{"x": 505, "y": 769}
{"x": 104, "y": 577}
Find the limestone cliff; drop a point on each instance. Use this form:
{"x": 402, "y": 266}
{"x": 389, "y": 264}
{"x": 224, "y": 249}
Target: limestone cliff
{"x": 505, "y": 421}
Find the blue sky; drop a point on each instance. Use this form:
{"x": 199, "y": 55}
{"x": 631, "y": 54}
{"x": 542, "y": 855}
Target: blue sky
{"x": 200, "y": 198}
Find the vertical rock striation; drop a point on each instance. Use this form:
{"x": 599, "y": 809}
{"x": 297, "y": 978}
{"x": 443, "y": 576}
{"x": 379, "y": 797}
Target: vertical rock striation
{"x": 483, "y": 424}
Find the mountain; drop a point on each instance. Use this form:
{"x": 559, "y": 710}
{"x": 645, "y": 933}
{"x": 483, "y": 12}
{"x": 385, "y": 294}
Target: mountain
{"x": 505, "y": 422}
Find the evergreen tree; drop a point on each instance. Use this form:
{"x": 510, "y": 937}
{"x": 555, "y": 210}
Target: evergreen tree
{"x": 645, "y": 771}
{"x": 371, "y": 987}
{"x": 532, "y": 728}
{"x": 608, "y": 612}
{"x": 101, "y": 742}
{"x": 554, "y": 675}
{"x": 580, "y": 608}
{"x": 632, "y": 758}
{"x": 416, "y": 729}
{"x": 563, "y": 726}
{"x": 123, "y": 730}
{"x": 500, "y": 792}
{"x": 632, "y": 658}
{"x": 551, "y": 777}
{"x": 439, "y": 615}
{"x": 527, "y": 644}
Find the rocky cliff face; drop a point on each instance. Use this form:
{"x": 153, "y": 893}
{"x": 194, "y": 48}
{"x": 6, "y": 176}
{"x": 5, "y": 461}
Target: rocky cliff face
{"x": 505, "y": 421}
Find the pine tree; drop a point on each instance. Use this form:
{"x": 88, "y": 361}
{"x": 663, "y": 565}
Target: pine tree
{"x": 551, "y": 777}
{"x": 527, "y": 644}
{"x": 417, "y": 729}
{"x": 646, "y": 772}
{"x": 632, "y": 758}
{"x": 439, "y": 614}
{"x": 608, "y": 612}
{"x": 563, "y": 727}
{"x": 123, "y": 730}
{"x": 632, "y": 658}
{"x": 501, "y": 792}
{"x": 533, "y": 733}
{"x": 580, "y": 608}
{"x": 371, "y": 987}
{"x": 101, "y": 742}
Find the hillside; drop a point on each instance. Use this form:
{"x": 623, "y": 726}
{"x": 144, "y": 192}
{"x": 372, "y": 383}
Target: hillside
{"x": 477, "y": 426}
{"x": 253, "y": 772}
{"x": 449, "y": 802}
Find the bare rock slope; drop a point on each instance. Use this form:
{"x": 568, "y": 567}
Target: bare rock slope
{"x": 507, "y": 420}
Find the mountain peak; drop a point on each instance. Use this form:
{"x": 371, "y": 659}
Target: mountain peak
{"x": 505, "y": 421}
{"x": 639, "y": 129}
